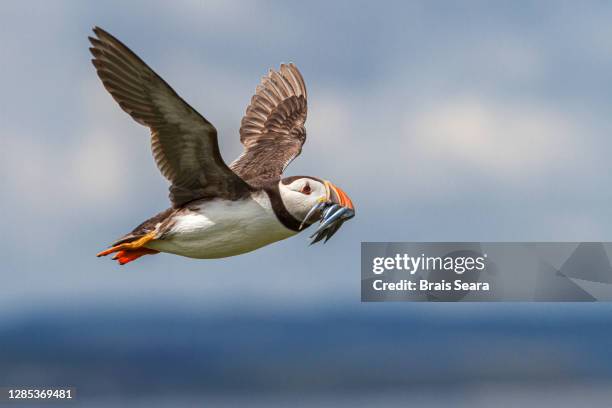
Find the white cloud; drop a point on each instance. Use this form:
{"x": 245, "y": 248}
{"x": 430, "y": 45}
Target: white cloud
{"x": 507, "y": 142}
{"x": 96, "y": 179}
{"x": 27, "y": 164}
{"x": 54, "y": 180}
{"x": 330, "y": 122}
{"x": 54, "y": 175}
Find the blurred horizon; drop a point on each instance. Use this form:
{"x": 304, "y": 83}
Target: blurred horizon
{"x": 139, "y": 356}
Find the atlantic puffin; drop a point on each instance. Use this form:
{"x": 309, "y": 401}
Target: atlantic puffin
{"x": 219, "y": 210}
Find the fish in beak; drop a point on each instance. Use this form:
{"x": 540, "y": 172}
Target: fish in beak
{"x": 333, "y": 210}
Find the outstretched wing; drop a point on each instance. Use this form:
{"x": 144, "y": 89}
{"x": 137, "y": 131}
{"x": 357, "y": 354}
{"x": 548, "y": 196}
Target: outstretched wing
{"x": 272, "y": 130}
{"x": 184, "y": 144}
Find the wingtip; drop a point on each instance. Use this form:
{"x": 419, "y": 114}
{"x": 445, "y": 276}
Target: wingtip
{"x": 95, "y": 41}
{"x": 102, "y": 34}
{"x": 286, "y": 66}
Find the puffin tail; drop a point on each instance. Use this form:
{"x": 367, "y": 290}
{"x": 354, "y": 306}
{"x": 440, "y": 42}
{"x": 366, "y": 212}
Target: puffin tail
{"x": 128, "y": 251}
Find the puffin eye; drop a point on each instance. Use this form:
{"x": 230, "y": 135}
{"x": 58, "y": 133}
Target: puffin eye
{"x": 306, "y": 189}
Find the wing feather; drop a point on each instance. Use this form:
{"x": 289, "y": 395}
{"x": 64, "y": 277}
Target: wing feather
{"x": 183, "y": 142}
{"x": 272, "y": 130}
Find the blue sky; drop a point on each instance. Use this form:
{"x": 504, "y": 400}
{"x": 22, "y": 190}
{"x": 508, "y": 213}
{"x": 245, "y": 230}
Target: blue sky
{"x": 443, "y": 121}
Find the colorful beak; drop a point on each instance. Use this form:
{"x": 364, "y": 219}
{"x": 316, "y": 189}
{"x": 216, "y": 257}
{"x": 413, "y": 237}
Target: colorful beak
{"x": 337, "y": 196}
{"x": 335, "y": 209}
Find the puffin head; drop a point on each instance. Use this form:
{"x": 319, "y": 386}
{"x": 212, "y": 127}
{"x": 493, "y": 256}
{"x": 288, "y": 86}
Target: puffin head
{"x": 309, "y": 199}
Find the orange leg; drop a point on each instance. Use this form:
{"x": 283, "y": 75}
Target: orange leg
{"x": 130, "y": 251}
{"x": 126, "y": 256}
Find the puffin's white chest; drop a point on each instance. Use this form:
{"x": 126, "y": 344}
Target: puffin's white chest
{"x": 220, "y": 228}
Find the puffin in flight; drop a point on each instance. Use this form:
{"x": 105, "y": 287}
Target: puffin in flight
{"x": 219, "y": 210}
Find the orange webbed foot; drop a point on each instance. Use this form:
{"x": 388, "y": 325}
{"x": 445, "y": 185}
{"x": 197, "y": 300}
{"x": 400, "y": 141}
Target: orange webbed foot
{"x": 130, "y": 251}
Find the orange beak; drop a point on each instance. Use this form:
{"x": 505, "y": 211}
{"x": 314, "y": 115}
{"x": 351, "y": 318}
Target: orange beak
{"x": 333, "y": 209}
{"x": 337, "y": 196}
